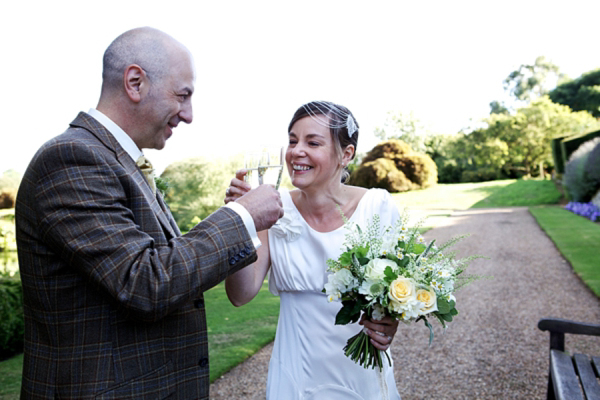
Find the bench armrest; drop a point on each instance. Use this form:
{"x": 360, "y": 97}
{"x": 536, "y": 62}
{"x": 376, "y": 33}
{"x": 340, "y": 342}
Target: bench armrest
{"x": 558, "y": 327}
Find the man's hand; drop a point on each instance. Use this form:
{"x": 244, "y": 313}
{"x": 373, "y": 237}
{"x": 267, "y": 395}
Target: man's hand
{"x": 264, "y": 205}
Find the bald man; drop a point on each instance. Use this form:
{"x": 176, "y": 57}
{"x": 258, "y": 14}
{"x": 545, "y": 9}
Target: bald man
{"x": 112, "y": 290}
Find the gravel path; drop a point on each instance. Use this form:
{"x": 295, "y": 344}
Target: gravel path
{"x": 493, "y": 350}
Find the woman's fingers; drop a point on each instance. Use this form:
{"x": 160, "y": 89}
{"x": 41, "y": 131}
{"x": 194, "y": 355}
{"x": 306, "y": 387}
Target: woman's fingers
{"x": 237, "y": 187}
{"x": 381, "y": 332}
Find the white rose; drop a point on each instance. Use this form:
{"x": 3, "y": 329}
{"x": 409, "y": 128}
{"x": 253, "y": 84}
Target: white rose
{"x": 339, "y": 282}
{"x": 375, "y": 269}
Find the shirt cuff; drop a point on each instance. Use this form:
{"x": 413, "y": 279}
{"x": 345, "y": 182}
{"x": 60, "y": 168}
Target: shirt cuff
{"x": 248, "y": 221}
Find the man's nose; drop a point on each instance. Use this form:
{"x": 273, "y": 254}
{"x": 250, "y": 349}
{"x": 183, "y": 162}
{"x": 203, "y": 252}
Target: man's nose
{"x": 186, "y": 113}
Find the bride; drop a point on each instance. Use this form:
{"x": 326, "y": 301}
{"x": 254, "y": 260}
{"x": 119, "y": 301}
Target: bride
{"x": 307, "y": 360}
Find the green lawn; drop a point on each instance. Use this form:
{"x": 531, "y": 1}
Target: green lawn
{"x": 461, "y": 196}
{"x": 577, "y": 238}
{"x": 10, "y": 378}
{"x": 235, "y": 333}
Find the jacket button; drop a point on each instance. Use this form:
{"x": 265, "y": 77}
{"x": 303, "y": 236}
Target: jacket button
{"x": 243, "y": 253}
{"x": 231, "y": 261}
{"x": 203, "y": 362}
{"x": 198, "y": 303}
{"x": 248, "y": 249}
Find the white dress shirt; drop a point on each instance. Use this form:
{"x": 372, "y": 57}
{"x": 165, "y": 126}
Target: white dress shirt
{"x": 134, "y": 152}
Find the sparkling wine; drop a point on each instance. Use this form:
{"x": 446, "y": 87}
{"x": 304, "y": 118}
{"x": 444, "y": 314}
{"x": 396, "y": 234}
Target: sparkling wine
{"x": 269, "y": 174}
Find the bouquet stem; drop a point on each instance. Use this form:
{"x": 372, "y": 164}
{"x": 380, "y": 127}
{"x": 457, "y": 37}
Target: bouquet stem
{"x": 360, "y": 350}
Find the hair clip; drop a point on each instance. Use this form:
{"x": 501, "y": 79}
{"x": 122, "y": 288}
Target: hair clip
{"x": 351, "y": 126}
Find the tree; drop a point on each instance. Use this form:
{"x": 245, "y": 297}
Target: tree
{"x": 529, "y": 82}
{"x": 529, "y": 131}
{"x": 581, "y": 94}
{"x": 497, "y": 107}
{"x": 406, "y": 127}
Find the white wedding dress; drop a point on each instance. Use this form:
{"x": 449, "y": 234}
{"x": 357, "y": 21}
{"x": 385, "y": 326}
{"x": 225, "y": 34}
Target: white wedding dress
{"x": 307, "y": 360}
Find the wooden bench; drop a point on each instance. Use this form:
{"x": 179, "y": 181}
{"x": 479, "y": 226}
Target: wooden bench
{"x": 576, "y": 377}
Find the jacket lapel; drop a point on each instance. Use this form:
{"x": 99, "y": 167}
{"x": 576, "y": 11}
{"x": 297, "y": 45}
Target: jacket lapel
{"x": 90, "y": 124}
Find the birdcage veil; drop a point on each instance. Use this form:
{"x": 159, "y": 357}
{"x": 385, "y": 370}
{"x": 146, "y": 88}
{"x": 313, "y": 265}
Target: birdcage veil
{"x": 339, "y": 118}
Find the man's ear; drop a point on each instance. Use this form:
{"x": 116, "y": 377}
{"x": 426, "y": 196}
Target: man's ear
{"x": 135, "y": 81}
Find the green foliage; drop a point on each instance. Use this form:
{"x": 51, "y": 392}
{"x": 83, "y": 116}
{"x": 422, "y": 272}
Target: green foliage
{"x": 571, "y": 143}
{"x": 576, "y": 238}
{"x": 581, "y": 94}
{"x": 392, "y": 165}
{"x": 12, "y": 324}
{"x": 381, "y": 173}
{"x": 580, "y": 185}
{"x": 592, "y": 169}
{"x": 480, "y": 175}
{"x": 529, "y": 131}
{"x": 195, "y": 188}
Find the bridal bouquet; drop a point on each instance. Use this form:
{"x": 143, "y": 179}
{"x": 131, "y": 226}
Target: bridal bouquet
{"x": 396, "y": 274}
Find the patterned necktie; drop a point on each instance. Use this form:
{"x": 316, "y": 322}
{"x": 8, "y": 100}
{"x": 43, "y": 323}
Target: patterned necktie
{"x": 148, "y": 171}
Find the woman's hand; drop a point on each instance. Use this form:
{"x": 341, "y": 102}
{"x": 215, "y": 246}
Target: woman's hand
{"x": 238, "y": 187}
{"x": 381, "y": 332}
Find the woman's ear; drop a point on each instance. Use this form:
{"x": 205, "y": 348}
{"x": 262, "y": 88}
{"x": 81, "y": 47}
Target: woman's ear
{"x": 135, "y": 82}
{"x": 347, "y": 155}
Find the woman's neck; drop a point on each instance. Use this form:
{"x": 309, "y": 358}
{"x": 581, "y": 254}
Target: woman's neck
{"x": 320, "y": 208}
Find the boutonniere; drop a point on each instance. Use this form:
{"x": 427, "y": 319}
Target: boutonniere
{"x": 162, "y": 185}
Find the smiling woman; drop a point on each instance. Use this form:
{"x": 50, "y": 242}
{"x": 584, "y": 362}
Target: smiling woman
{"x": 307, "y": 358}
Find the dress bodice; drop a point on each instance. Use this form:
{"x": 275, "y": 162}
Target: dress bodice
{"x": 308, "y": 362}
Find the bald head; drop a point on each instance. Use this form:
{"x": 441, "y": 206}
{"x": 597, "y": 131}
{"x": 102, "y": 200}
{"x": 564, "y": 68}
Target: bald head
{"x": 147, "y": 47}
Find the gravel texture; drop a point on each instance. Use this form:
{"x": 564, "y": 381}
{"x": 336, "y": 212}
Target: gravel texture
{"x": 493, "y": 349}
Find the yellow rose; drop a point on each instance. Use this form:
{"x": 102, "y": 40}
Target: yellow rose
{"x": 402, "y": 290}
{"x": 428, "y": 298}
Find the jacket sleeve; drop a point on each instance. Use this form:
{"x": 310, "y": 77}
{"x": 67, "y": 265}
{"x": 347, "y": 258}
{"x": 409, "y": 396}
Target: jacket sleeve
{"x": 93, "y": 216}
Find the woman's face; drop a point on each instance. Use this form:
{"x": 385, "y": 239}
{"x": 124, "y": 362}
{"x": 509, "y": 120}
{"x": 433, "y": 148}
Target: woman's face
{"x": 311, "y": 157}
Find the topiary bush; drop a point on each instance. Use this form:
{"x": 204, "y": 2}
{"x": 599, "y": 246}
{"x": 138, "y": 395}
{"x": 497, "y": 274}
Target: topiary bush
{"x": 391, "y": 149}
{"x": 592, "y": 168}
{"x": 381, "y": 173}
{"x": 580, "y": 185}
{"x": 392, "y": 165}
{"x": 419, "y": 169}
{"x": 8, "y": 198}
{"x": 12, "y": 323}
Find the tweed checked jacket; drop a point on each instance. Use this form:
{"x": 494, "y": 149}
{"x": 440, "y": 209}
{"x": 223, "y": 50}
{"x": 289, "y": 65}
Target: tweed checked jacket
{"x": 112, "y": 290}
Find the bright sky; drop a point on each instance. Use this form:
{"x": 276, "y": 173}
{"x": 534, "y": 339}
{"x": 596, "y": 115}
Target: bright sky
{"x": 257, "y": 61}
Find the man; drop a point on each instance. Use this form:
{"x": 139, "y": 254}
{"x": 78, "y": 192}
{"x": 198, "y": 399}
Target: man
{"x": 112, "y": 290}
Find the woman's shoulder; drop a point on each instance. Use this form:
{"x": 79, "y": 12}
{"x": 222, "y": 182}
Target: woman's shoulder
{"x": 372, "y": 195}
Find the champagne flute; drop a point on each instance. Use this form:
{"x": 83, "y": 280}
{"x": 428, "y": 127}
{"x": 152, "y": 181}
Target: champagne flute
{"x": 264, "y": 167}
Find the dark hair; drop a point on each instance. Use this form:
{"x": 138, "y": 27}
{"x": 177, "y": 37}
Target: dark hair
{"x": 338, "y": 122}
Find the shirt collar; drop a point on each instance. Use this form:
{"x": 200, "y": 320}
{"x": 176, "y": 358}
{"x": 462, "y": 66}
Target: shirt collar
{"x": 123, "y": 138}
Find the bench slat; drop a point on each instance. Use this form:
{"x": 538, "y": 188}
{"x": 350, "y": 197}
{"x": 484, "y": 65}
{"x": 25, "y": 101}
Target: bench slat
{"x": 590, "y": 385}
{"x": 566, "y": 383}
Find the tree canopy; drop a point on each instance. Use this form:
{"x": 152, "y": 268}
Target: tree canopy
{"x": 581, "y": 94}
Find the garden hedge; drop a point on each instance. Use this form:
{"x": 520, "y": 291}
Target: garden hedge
{"x": 12, "y": 323}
